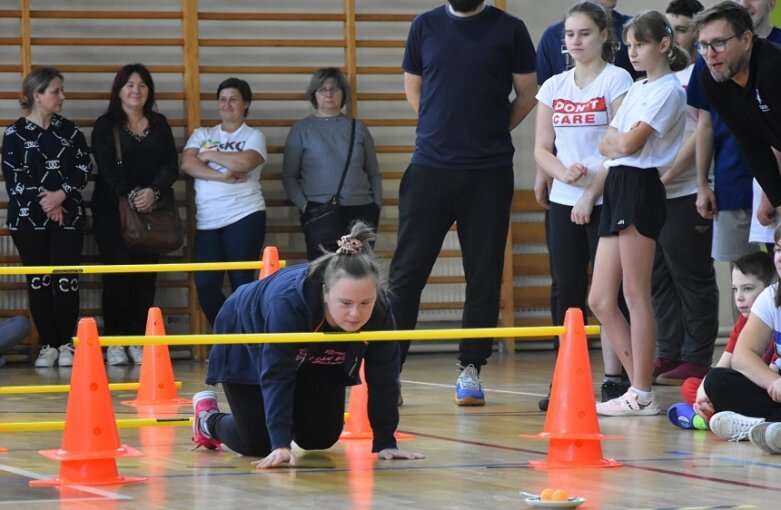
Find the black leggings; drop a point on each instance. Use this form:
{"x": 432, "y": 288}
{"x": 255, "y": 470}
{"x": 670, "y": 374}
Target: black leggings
{"x": 572, "y": 248}
{"x": 54, "y": 299}
{"x": 729, "y": 390}
{"x": 126, "y": 297}
{"x": 318, "y": 415}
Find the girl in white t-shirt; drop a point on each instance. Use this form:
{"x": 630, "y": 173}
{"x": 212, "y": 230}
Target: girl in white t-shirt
{"x": 574, "y": 111}
{"x": 643, "y": 139}
{"x": 748, "y": 395}
{"x": 225, "y": 162}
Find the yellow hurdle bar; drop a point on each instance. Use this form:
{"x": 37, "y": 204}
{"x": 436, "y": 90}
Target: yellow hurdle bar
{"x": 363, "y": 336}
{"x": 65, "y": 388}
{"x": 131, "y": 423}
{"x": 135, "y": 268}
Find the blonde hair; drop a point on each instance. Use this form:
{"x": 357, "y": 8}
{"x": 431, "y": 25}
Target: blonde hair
{"x": 36, "y": 83}
{"x": 354, "y": 259}
{"x": 653, "y": 27}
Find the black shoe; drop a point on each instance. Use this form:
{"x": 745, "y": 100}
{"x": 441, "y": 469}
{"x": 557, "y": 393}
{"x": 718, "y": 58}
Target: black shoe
{"x": 543, "y": 403}
{"x": 614, "y": 389}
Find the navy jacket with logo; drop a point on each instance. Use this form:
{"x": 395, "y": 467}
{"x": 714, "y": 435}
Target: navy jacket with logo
{"x": 288, "y": 302}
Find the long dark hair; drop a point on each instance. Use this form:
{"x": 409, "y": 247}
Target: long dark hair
{"x": 123, "y": 75}
{"x": 602, "y": 20}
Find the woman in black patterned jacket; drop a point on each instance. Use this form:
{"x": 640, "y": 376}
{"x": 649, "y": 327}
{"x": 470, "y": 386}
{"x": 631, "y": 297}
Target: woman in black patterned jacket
{"x": 46, "y": 166}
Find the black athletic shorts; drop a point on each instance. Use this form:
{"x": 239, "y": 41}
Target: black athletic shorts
{"x": 633, "y": 196}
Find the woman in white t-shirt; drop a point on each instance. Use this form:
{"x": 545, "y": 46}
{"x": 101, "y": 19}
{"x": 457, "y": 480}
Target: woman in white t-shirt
{"x": 748, "y": 395}
{"x": 574, "y": 111}
{"x": 225, "y": 162}
{"x": 643, "y": 139}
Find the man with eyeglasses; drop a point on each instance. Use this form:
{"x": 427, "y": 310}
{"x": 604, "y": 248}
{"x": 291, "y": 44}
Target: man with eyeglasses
{"x": 742, "y": 85}
{"x": 760, "y": 10}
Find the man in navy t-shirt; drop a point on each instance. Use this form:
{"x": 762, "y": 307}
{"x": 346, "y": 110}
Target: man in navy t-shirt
{"x": 461, "y": 62}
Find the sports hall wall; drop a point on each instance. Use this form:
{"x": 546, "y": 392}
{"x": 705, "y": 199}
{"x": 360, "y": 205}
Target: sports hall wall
{"x": 191, "y": 45}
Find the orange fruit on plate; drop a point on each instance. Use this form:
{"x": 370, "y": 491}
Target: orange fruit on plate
{"x": 547, "y": 494}
{"x": 560, "y": 495}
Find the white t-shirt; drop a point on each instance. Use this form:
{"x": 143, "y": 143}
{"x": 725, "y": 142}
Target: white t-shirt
{"x": 766, "y": 310}
{"x": 686, "y": 183}
{"x": 580, "y": 118}
{"x": 758, "y": 232}
{"x": 220, "y": 204}
{"x": 661, "y": 104}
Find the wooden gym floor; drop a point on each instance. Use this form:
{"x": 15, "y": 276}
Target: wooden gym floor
{"x": 474, "y": 457}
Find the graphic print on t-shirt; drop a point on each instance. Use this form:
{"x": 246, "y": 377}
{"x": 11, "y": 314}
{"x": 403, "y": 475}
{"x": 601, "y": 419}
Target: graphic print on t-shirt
{"x": 220, "y": 146}
{"x": 575, "y": 114}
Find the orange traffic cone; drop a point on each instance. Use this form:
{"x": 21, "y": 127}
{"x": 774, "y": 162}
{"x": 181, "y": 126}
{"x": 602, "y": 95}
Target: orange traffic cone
{"x": 90, "y": 441}
{"x": 156, "y": 382}
{"x": 571, "y": 424}
{"x": 357, "y": 425}
{"x": 270, "y": 262}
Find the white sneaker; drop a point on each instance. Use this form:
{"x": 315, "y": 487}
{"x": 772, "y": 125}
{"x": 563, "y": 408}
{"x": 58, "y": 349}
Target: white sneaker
{"x": 47, "y": 357}
{"x": 135, "y": 353}
{"x": 629, "y": 405}
{"x": 767, "y": 437}
{"x": 469, "y": 388}
{"x": 731, "y": 426}
{"x": 66, "y": 355}
{"x": 116, "y": 356}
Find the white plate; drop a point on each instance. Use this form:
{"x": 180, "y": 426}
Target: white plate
{"x": 536, "y": 502}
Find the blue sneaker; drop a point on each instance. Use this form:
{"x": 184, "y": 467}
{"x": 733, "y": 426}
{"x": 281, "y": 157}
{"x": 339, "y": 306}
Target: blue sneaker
{"x": 469, "y": 389}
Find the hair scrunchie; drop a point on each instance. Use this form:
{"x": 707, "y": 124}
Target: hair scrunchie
{"x": 348, "y": 246}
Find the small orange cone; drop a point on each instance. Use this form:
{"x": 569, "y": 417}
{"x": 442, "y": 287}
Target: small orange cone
{"x": 571, "y": 423}
{"x": 357, "y": 425}
{"x": 90, "y": 441}
{"x": 270, "y": 262}
{"x": 156, "y": 382}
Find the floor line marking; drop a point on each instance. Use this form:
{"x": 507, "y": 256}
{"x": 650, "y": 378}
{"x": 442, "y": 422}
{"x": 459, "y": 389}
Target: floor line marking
{"x": 83, "y": 488}
{"x": 487, "y": 390}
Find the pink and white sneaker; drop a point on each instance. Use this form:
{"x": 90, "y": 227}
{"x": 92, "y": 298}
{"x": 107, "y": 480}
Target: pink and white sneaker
{"x": 629, "y": 405}
{"x": 204, "y": 405}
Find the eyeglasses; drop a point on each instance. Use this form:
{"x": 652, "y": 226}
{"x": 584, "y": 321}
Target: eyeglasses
{"x": 717, "y": 45}
{"x": 327, "y": 90}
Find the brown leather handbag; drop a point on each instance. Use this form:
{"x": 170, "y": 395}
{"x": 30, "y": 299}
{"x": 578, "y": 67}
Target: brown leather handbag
{"x": 158, "y": 231}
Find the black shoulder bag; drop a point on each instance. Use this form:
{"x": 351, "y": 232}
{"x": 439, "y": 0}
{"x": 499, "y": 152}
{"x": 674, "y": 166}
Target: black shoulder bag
{"x": 324, "y": 225}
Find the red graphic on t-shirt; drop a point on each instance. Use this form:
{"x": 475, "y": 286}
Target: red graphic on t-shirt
{"x": 589, "y": 113}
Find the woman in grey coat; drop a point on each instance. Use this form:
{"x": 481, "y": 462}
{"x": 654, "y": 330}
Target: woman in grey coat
{"x": 315, "y": 155}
